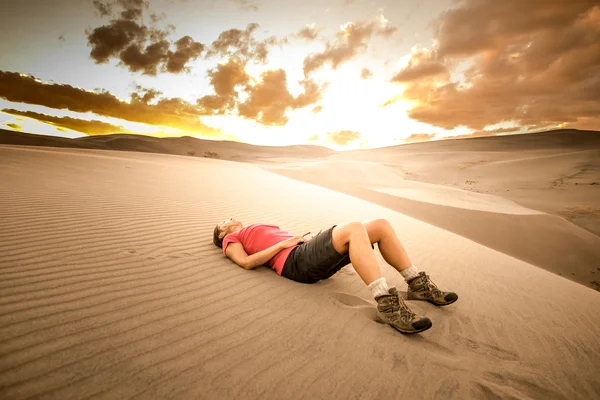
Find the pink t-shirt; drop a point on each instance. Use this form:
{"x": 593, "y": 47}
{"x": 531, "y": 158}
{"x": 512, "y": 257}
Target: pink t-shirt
{"x": 257, "y": 237}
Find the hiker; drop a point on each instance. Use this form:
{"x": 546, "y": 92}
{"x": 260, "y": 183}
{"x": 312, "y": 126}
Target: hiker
{"x": 308, "y": 259}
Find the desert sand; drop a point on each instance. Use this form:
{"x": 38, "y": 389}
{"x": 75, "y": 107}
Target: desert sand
{"x": 110, "y": 286}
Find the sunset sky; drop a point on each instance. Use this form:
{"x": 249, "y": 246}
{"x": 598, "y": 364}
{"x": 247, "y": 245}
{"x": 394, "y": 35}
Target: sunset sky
{"x": 344, "y": 74}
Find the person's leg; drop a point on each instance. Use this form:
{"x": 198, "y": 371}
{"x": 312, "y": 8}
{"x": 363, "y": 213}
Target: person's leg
{"x": 380, "y": 231}
{"x": 352, "y": 238}
{"x": 420, "y": 286}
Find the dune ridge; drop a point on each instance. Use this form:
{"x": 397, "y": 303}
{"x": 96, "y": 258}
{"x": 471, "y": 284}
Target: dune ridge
{"x": 185, "y": 145}
{"x": 111, "y": 287}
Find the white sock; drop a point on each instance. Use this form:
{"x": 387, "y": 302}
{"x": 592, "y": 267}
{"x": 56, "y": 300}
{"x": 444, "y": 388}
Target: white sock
{"x": 379, "y": 287}
{"x": 410, "y": 273}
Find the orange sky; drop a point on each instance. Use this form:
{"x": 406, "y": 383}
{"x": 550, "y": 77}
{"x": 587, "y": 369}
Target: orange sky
{"x": 343, "y": 74}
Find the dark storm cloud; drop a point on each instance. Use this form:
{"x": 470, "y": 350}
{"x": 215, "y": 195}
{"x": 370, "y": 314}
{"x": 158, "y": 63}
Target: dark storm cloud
{"x": 352, "y": 39}
{"x": 536, "y": 63}
{"x": 92, "y": 127}
{"x": 171, "y": 112}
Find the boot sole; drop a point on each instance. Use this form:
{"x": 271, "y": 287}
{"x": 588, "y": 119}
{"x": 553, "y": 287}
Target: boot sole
{"x": 377, "y": 319}
{"x": 432, "y": 302}
{"x": 441, "y": 305}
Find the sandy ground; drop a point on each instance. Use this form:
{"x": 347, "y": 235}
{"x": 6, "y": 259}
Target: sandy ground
{"x": 535, "y": 197}
{"x": 110, "y": 287}
{"x": 545, "y": 240}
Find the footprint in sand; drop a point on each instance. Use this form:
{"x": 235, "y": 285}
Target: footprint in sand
{"x": 361, "y": 305}
{"x": 350, "y": 300}
{"x": 488, "y": 349}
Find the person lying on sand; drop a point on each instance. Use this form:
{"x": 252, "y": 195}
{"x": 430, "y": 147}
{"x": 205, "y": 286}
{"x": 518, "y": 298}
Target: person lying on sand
{"x": 324, "y": 254}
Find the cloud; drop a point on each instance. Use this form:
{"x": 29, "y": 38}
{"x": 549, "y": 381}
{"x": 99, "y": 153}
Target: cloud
{"x": 349, "y": 41}
{"x": 366, "y": 73}
{"x": 16, "y": 127}
{"x": 138, "y": 47}
{"x": 224, "y": 79}
{"x": 186, "y": 49}
{"x": 309, "y": 32}
{"x": 154, "y": 17}
{"x": 311, "y": 95}
{"x": 172, "y": 112}
{"x": 133, "y": 9}
{"x": 391, "y": 100}
{"x": 423, "y": 63}
{"x": 242, "y": 45}
{"x": 537, "y": 64}
{"x": 418, "y": 137}
{"x": 316, "y": 109}
{"x": 247, "y": 5}
{"x": 313, "y": 138}
{"x": 269, "y": 99}
{"x": 92, "y": 127}
{"x": 342, "y": 138}
{"x": 104, "y": 9}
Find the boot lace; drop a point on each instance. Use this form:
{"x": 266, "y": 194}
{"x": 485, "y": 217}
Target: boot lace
{"x": 432, "y": 288}
{"x": 404, "y": 313}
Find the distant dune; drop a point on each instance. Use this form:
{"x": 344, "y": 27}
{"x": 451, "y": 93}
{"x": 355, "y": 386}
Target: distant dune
{"x": 184, "y": 146}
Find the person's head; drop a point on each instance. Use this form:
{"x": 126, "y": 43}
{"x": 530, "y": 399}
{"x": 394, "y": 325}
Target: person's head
{"x": 225, "y": 228}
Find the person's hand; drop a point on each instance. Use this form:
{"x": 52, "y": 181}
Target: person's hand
{"x": 292, "y": 241}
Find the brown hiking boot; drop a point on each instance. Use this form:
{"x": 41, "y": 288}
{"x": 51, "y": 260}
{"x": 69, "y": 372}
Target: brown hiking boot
{"x": 421, "y": 288}
{"x": 392, "y": 310}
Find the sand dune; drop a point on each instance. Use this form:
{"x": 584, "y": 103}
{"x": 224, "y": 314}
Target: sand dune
{"x": 381, "y": 178}
{"x": 185, "y": 146}
{"x": 111, "y": 287}
{"x": 555, "y": 172}
{"x": 544, "y": 240}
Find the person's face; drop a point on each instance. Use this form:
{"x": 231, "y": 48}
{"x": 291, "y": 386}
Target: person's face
{"x": 228, "y": 226}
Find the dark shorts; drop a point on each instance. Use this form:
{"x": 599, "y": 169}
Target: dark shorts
{"x": 315, "y": 259}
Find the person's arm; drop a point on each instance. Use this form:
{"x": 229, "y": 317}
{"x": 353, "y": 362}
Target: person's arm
{"x": 235, "y": 252}
{"x": 263, "y": 256}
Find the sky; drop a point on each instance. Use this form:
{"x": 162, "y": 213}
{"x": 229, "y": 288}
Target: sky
{"x": 345, "y": 74}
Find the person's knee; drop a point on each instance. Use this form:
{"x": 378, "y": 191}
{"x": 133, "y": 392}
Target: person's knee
{"x": 383, "y": 224}
{"x": 356, "y": 228}
{"x": 377, "y": 229}
{"x": 343, "y": 233}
